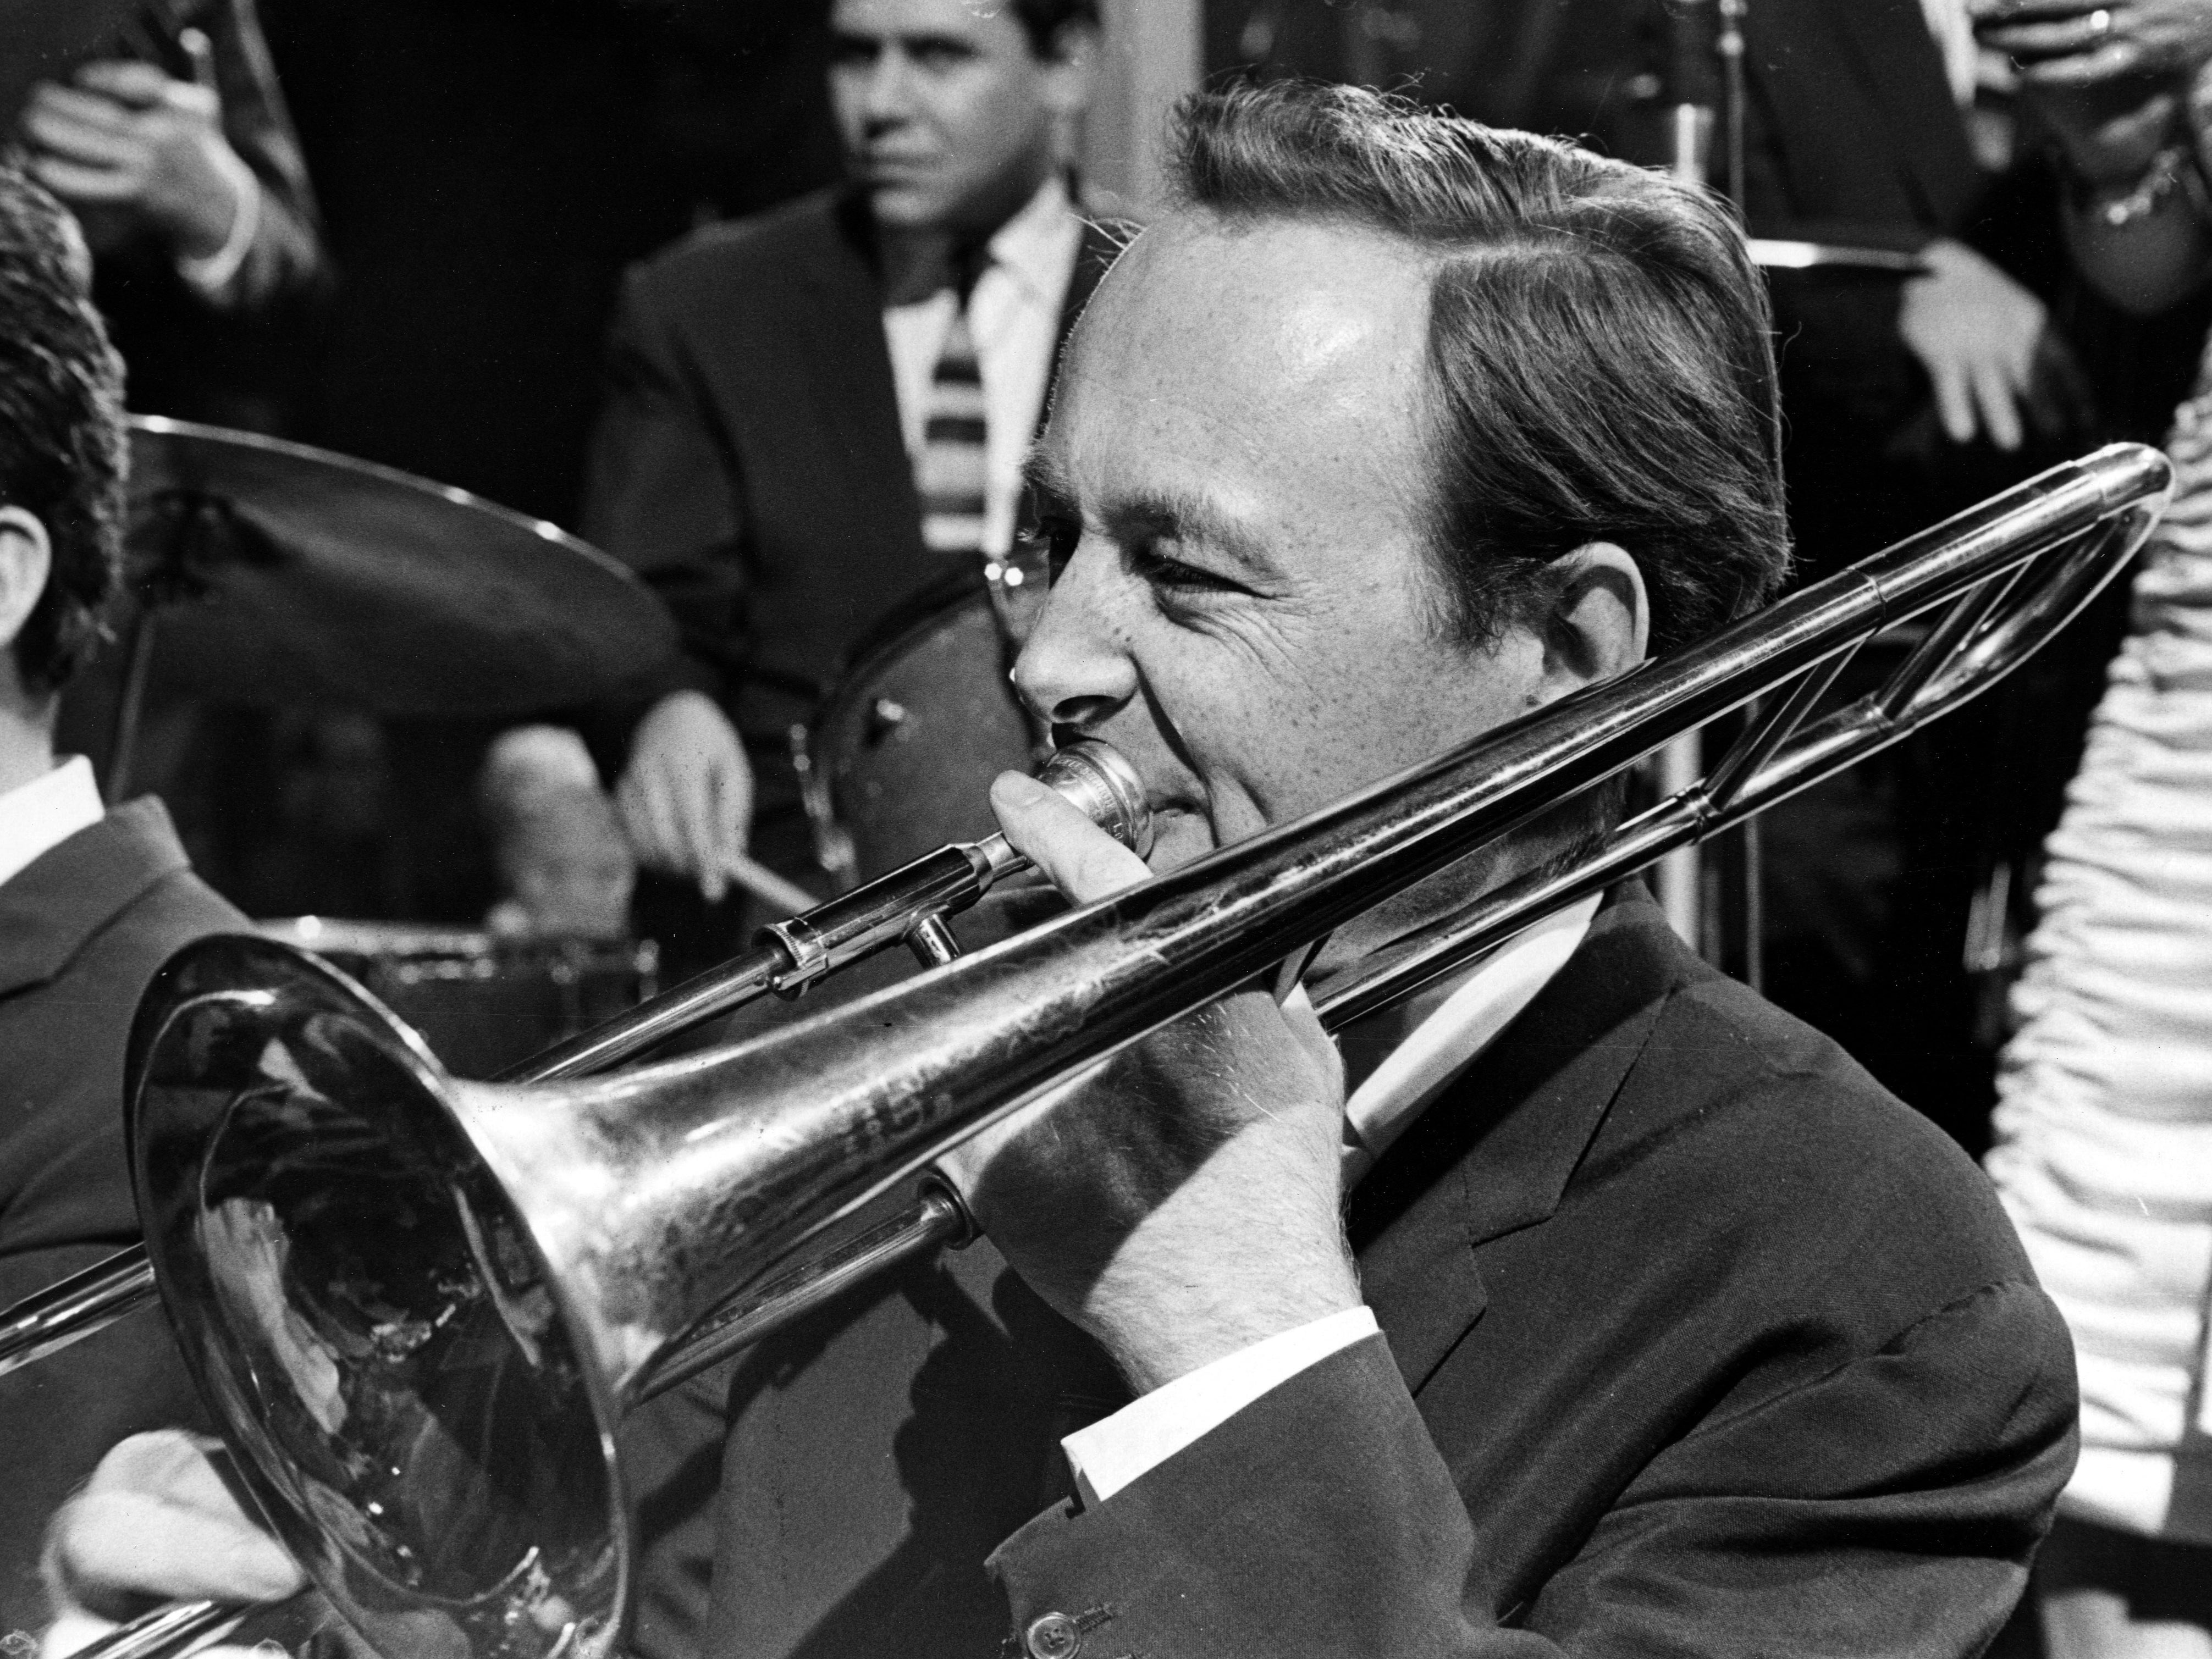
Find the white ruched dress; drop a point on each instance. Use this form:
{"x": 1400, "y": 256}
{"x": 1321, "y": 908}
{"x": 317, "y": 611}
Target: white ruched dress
{"x": 2103, "y": 1124}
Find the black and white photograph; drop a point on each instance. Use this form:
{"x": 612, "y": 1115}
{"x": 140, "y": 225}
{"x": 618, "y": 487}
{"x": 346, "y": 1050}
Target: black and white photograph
{"x": 1105, "y": 828}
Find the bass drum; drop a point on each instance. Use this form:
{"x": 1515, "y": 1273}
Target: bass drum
{"x": 901, "y": 759}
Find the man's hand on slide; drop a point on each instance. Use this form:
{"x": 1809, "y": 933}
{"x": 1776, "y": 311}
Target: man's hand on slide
{"x": 1184, "y": 1203}
{"x": 686, "y": 799}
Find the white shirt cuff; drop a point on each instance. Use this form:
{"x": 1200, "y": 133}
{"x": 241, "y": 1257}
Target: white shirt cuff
{"x": 213, "y": 275}
{"x": 1113, "y": 1452}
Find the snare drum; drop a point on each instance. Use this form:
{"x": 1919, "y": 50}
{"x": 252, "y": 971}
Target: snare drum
{"x": 482, "y": 1003}
{"x": 901, "y": 757}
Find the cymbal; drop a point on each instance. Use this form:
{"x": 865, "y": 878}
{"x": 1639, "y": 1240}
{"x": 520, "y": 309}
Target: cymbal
{"x": 279, "y": 576}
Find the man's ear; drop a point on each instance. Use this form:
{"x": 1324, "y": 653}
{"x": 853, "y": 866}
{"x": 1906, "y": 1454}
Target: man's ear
{"x": 1071, "y": 68}
{"x": 1599, "y": 623}
{"x": 26, "y": 558}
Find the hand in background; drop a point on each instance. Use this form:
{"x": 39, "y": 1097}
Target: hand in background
{"x": 156, "y": 1523}
{"x": 1990, "y": 355}
{"x": 2071, "y": 43}
{"x": 686, "y": 799}
{"x": 126, "y": 139}
{"x": 561, "y": 855}
{"x": 1182, "y": 1202}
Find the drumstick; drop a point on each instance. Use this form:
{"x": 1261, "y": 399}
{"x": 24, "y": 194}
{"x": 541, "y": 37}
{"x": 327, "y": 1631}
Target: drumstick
{"x": 764, "y": 884}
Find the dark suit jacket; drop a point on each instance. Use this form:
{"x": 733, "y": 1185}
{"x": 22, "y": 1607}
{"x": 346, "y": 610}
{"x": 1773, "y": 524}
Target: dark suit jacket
{"x": 82, "y": 932}
{"x": 1851, "y": 135}
{"x": 748, "y": 462}
{"x": 1696, "y": 1343}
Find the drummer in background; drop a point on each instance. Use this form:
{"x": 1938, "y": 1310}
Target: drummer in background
{"x": 814, "y": 413}
{"x": 91, "y": 901}
{"x": 173, "y": 149}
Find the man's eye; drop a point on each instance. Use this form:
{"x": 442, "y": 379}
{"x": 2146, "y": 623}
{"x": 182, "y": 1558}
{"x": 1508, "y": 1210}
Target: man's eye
{"x": 1167, "y": 576}
{"x": 939, "y": 56}
{"x": 1056, "y": 538}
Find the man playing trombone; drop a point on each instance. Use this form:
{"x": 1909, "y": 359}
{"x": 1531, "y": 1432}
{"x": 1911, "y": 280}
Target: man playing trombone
{"x": 1613, "y": 1312}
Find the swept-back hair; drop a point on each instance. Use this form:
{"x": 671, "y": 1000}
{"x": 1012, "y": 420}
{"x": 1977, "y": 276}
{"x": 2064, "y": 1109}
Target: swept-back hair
{"x": 61, "y": 429}
{"x": 1600, "y": 348}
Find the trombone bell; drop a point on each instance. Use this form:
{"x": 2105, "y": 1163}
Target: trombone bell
{"x": 343, "y": 1271}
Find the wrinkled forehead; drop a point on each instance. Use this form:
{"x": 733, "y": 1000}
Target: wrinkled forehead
{"x": 1212, "y": 338}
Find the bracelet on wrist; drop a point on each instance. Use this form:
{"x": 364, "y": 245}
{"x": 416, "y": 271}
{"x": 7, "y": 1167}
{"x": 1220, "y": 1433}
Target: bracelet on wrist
{"x": 2172, "y": 172}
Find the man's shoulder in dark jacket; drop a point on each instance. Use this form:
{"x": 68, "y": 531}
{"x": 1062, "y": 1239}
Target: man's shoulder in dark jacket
{"x": 1695, "y": 1340}
{"x": 82, "y": 931}
{"x": 87, "y": 925}
{"x": 702, "y": 274}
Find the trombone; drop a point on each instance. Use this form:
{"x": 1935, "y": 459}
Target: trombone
{"x": 420, "y": 1308}
{"x": 910, "y": 905}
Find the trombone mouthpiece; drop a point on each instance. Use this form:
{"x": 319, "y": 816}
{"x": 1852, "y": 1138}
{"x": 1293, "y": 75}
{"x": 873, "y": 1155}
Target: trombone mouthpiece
{"x": 1105, "y": 789}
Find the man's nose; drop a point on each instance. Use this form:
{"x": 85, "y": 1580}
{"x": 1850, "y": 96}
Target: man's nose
{"x": 1075, "y": 671}
{"x": 885, "y": 98}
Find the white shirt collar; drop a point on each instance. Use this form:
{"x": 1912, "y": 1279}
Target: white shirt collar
{"x": 37, "y": 816}
{"x": 1482, "y": 1002}
{"x": 1035, "y": 247}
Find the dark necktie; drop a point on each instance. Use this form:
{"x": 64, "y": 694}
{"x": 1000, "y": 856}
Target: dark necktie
{"x": 949, "y": 474}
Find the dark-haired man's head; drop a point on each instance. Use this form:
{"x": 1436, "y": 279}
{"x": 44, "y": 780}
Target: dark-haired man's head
{"x": 953, "y": 112}
{"x": 62, "y": 451}
{"x": 1393, "y": 428}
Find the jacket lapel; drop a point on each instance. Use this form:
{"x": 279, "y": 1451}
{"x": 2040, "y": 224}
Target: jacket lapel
{"x": 855, "y": 397}
{"x": 1497, "y": 1150}
{"x": 52, "y": 906}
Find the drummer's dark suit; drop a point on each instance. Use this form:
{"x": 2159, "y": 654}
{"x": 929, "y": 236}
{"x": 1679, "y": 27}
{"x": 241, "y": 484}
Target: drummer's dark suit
{"x": 1697, "y": 1343}
{"x": 82, "y": 929}
{"x": 749, "y": 464}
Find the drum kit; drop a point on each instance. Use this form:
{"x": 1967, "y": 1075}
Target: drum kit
{"x": 908, "y": 740}
{"x": 269, "y": 574}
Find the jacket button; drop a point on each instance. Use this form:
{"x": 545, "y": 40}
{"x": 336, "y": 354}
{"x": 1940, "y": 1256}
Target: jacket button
{"x": 1053, "y": 1636}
